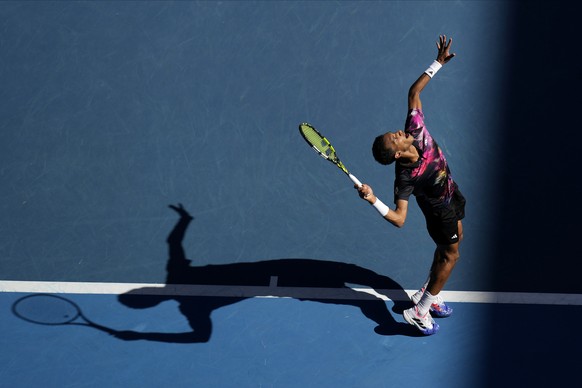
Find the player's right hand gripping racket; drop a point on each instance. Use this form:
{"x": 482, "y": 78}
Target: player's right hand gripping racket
{"x": 324, "y": 148}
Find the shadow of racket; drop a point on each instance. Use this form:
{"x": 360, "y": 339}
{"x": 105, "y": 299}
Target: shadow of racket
{"x": 53, "y": 310}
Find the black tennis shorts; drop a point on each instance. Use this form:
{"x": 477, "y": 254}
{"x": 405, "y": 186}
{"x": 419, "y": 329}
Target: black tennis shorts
{"x": 442, "y": 223}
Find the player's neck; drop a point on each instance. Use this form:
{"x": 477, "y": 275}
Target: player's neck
{"x": 410, "y": 156}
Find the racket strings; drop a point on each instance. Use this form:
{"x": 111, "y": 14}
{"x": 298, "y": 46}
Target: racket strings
{"x": 320, "y": 143}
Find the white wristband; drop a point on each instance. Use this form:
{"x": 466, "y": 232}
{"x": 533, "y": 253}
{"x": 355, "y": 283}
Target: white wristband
{"x": 433, "y": 68}
{"x": 382, "y": 209}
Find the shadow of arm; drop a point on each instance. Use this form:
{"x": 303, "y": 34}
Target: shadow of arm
{"x": 178, "y": 338}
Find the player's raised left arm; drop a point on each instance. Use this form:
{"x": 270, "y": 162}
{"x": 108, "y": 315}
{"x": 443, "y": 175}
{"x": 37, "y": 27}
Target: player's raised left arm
{"x": 443, "y": 56}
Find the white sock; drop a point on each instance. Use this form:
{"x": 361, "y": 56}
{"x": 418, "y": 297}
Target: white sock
{"x": 424, "y": 303}
{"x": 418, "y": 294}
{"x": 425, "y": 285}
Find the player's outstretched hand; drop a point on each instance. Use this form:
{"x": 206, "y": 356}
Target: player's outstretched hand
{"x": 444, "y": 47}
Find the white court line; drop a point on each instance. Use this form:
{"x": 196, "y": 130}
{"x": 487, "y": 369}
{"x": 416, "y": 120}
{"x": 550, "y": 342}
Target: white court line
{"x": 272, "y": 291}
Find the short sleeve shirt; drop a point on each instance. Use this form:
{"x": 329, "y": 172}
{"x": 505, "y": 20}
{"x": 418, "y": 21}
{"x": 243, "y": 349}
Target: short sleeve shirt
{"x": 429, "y": 179}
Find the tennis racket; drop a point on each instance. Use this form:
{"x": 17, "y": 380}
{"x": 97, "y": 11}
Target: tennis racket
{"x": 324, "y": 148}
{"x": 52, "y": 310}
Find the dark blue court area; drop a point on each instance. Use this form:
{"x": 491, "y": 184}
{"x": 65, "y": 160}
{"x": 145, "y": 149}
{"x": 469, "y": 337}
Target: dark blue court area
{"x": 113, "y": 111}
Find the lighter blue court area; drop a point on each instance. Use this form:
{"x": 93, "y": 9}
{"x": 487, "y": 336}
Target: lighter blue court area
{"x": 112, "y": 111}
{"x": 284, "y": 343}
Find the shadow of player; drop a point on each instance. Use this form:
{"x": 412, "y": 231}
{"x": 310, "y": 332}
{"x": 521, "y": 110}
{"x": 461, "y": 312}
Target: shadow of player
{"x": 302, "y": 279}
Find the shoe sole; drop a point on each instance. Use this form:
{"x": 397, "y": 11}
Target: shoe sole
{"x": 439, "y": 314}
{"x": 411, "y": 320}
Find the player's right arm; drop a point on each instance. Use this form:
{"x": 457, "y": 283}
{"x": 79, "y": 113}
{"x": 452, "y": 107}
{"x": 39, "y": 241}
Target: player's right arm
{"x": 396, "y": 216}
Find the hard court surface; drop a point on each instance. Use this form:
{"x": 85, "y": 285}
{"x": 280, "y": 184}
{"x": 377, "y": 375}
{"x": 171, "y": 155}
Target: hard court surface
{"x": 112, "y": 111}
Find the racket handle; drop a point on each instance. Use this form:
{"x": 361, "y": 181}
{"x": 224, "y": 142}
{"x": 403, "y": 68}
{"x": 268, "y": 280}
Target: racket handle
{"x": 355, "y": 180}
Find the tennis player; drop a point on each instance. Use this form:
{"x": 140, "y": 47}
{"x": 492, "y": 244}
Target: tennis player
{"x": 422, "y": 171}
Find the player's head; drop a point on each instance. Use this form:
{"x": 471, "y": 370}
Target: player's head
{"x": 139, "y": 299}
{"x": 389, "y": 147}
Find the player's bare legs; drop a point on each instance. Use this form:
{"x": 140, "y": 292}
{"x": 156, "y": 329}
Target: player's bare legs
{"x": 445, "y": 259}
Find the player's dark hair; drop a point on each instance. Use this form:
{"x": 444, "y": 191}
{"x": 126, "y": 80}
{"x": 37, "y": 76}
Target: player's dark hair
{"x": 382, "y": 154}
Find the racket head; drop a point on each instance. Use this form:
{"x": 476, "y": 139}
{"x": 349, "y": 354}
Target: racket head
{"x": 46, "y": 309}
{"x": 320, "y": 144}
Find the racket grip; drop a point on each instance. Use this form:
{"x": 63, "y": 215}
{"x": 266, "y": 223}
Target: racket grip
{"x": 355, "y": 180}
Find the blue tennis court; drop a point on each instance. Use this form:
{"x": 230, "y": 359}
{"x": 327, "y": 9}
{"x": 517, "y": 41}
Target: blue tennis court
{"x": 113, "y": 111}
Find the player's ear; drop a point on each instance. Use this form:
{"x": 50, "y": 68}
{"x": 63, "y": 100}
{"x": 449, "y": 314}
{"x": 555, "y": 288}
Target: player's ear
{"x": 397, "y": 154}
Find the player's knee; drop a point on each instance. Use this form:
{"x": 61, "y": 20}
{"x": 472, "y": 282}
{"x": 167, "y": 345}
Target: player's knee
{"x": 452, "y": 256}
{"x": 449, "y": 255}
